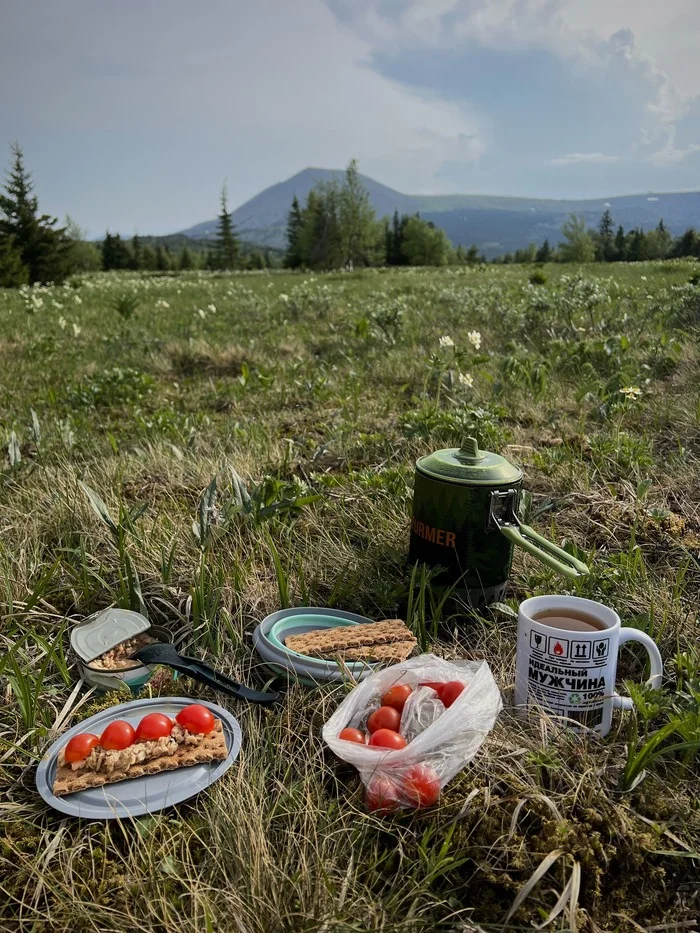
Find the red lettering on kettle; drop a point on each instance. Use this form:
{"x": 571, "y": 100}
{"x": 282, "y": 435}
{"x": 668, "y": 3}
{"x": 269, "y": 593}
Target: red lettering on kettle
{"x": 434, "y": 535}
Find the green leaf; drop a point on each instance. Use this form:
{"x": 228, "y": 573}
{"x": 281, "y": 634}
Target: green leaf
{"x": 99, "y": 507}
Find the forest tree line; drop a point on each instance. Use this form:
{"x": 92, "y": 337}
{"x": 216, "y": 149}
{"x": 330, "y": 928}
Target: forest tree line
{"x": 35, "y": 249}
{"x": 336, "y": 228}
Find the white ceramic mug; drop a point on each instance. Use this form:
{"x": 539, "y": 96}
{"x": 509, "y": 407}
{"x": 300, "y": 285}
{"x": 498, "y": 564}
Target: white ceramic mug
{"x": 572, "y": 673}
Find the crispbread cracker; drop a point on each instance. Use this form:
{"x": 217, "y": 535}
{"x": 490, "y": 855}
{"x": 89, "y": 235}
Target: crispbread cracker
{"x": 211, "y": 747}
{"x": 398, "y": 651}
{"x": 327, "y": 643}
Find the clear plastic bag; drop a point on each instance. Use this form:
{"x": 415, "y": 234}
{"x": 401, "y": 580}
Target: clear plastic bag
{"x": 440, "y": 741}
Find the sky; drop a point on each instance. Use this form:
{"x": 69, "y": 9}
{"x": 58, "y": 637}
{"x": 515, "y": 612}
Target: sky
{"x": 132, "y": 113}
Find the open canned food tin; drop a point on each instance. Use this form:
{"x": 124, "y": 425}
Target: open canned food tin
{"x": 102, "y": 643}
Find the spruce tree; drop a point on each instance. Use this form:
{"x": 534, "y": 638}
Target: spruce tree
{"x": 226, "y": 239}
{"x": 44, "y": 248}
{"x": 185, "y": 262}
{"x": 136, "y": 252}
{"x": 544, "y": 253}
{"x": 664, "y": 240}
{"x": 605, "y": 247}
{"x": 293, "y": 258}
{"x": 620, "y": 244}
{"x": 394, "y": 258}
{"x": 162, "y": 258}
{"x": 687, "y": 245}
{"x": 637, "y": 251}
{"x": 13, "y": 272}
{"x": 149, "y": 258}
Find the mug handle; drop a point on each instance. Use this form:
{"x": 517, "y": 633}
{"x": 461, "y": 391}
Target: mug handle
{"x": 657, "y": 665}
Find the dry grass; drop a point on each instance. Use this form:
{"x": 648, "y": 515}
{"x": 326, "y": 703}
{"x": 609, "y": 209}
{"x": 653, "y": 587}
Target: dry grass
{"x": 537, "y": 829}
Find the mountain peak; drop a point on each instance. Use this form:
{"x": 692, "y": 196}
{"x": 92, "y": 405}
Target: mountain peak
{"x": 495, "y": 224}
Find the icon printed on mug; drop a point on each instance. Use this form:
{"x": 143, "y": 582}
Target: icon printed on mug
{"x": 558, "y": 647}
{"x": 600, "y": 649}
{"x": 537, "y": 640}
{"x": 580, "y": 650}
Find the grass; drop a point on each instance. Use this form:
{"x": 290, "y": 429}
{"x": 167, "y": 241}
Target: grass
{"x": 237, "y": 443}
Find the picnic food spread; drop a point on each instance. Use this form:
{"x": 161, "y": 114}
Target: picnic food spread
{"x": 389, "y": 640}
{"x": 122, "y": 753}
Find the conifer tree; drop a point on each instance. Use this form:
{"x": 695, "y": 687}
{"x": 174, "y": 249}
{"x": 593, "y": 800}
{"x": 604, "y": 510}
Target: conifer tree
{"x": 136, "y": 252}
{"x": 226, "y": 239}
{"x": 293, "y": 258}
{"x": 620, "y": 244}
{"x": 44, "y": 248}
{"x": 185, "y": 261}
{"x": 637, "y": 249}
{"x": 687, "y": 245}
{"x": 149, "y": 258}
{"x": 544, "y": 253}
{"x": 163, "y": 261}
{"x": 13, "y": 272}
{"x": 605, "y": 247}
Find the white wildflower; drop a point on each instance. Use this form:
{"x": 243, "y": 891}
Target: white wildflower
{"x": 162, "y": 303}
{"x": 77, "y": 299}
{"x": 56, "y": 304}
{"x": 76, "y": 329}
{"x": 211, "y": 308}
{"x": 466, "y": 379}
{"x": 201, "y": 313}
{"x": 474, "y": 338}
{"x": 446, "y": 341}
{"x": 644, "y": 278}
{"x": 62, "y": 322}
{"x": 631, "y": 392}
{"x": 284, "y": 298}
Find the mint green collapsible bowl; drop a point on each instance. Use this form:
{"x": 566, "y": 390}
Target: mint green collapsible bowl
{"x": 269, "y": 641}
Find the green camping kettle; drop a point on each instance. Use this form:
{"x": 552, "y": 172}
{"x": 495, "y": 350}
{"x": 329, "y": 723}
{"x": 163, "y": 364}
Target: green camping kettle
{"x": 465, "y": 521}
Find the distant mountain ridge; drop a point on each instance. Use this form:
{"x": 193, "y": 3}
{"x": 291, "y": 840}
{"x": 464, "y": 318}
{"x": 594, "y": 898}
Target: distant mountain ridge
{"x": 496, "y": 224}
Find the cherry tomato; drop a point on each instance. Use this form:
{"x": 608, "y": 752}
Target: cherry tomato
{"x": 387, "y": 738}
{"x": 450, "y": 691}
{"x": 421, "y": 785}
{"x": 196, "y": 718}
{"x": 381, "y": 795}
{"x": 353, "y": 735}
{"x": 386, "y": 717}
{"x": 397, "y": 696}
{"x": 153, "y": 726}
{"x": 437, "y": 687}
{"x": 80, "y": 746}
{"x": 117, "y": 735}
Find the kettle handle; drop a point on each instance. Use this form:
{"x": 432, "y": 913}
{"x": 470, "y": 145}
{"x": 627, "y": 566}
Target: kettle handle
{"x": 545, "y": 551}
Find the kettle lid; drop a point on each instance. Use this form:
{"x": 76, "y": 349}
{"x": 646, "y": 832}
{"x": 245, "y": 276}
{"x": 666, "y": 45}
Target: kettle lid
{"x": 469, "y": 465}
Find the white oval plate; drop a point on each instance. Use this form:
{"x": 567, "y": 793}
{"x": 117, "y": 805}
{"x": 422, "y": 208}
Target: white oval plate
{"x": 137, "y": 796}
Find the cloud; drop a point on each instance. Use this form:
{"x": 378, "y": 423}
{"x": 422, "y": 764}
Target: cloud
{"x": 670, "y": 154}
{"x": 597, "y": 42}
{"x": 167, "y": 109}
{"x": 573, "y": 158}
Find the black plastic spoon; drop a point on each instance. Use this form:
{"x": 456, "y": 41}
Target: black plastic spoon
{"x": 163, "y": 653}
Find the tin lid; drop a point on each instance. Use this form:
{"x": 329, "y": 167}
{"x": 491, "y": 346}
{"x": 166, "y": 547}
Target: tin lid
{"x": 105, "y": 629}
{"x": 469, "y": 465}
